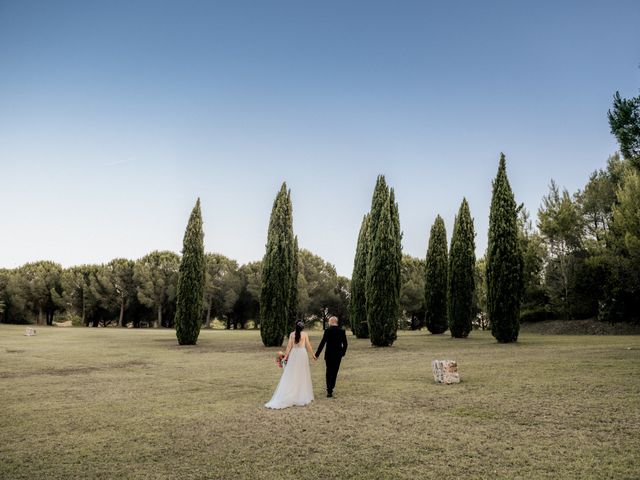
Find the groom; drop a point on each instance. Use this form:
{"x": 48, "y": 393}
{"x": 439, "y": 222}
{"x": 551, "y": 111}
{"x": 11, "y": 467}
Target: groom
{"x": 336, "y": 340}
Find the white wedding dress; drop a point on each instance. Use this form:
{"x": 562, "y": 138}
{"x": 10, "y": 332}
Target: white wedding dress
{"x": 295, "y": 386}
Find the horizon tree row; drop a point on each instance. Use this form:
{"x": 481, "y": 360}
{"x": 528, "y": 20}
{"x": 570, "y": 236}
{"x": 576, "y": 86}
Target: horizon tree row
{"x": 582, "y": 260}
{"x": 143, "y": 291}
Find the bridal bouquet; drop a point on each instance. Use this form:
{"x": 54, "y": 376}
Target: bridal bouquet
{"x": 281, "y": 360}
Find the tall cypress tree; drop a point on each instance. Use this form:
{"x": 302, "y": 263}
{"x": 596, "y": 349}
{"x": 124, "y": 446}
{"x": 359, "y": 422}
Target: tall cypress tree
{"x": 190, "y": 289}
{"x": 461, "y": 280}
{"x": 378, "y": 202}
{"x": 436, "y": 270}
{"x": 504, "y": 261}
{"x": 293, "y": 302}
{"x": 278, "y": 292}
{"x": 396, "y": 267}
{"x": 383, "y": 267}
{"x": 358, "y": 303}
{"x": 292, "y": 242}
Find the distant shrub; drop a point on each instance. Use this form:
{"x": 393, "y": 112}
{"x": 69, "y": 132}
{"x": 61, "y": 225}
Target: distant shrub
{"x": 76, "y": 320}
{"x": 536, "y": 314}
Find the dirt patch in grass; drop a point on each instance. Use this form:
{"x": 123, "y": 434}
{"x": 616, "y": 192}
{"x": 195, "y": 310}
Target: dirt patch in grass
{"x": 74, "y": 370}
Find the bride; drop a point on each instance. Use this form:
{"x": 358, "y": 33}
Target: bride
{"x": 295, "y": 384}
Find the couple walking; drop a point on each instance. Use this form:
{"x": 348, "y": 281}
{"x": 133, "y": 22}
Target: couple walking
{"x": 295, "y": 386}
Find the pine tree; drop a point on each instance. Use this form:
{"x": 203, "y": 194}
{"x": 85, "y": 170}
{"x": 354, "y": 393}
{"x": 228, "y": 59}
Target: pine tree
{"x": 156, "y": 277}
{"x": 190, "y": 289}
{"x": 436, "y": 271}
{"x": 504, "y": 261}
{"x": 383, "y": 267}
{"x": 624, "y": 121}
{"x": 461, "y": 280}
{"x": 358, "y": 303}
{"x": 279, "y": 289}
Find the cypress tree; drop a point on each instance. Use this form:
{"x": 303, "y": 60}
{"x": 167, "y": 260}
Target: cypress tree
{"x": 293, "y": 302}
{"x": 358, "y": 304}
{"x": 504, "y": 261}
{"x": 378, "y": 202}
{"x": 396, "y": 267}
{"x": 436, "y": 270}
{"x": 278, "y": 292}
{"x": 461, "y": 280}
{"x": 292, "y": 243}
{"x": 190, "y": 289}
{"x": 383, "y": 267}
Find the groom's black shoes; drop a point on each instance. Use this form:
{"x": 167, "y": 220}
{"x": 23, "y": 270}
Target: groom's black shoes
{"x": 329, "y": 394}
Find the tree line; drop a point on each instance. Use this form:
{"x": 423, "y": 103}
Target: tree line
{"x": 579, "y": 259}
{"x": 442, "y": 291}
{"x": 582, "y": 257}
{"x": 143, "y": 292}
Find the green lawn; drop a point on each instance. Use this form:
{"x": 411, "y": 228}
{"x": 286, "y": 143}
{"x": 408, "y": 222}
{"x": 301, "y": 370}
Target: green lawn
{"x": 118, "y": 403}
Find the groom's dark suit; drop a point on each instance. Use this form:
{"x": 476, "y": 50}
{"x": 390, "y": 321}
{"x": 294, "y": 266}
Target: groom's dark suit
{"x": 336, "y": 340}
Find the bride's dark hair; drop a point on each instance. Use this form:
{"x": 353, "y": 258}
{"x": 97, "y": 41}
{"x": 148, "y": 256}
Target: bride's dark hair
{"x": 299, "y": 328}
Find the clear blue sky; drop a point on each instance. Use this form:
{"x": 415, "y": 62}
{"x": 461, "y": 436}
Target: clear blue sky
{"x": 115, "y": 116}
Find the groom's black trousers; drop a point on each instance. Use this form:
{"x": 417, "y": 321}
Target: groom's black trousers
{"x": 333, "y": 365}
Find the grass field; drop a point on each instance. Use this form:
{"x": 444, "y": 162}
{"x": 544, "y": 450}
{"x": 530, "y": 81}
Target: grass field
{"x": 118, "y": 403}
